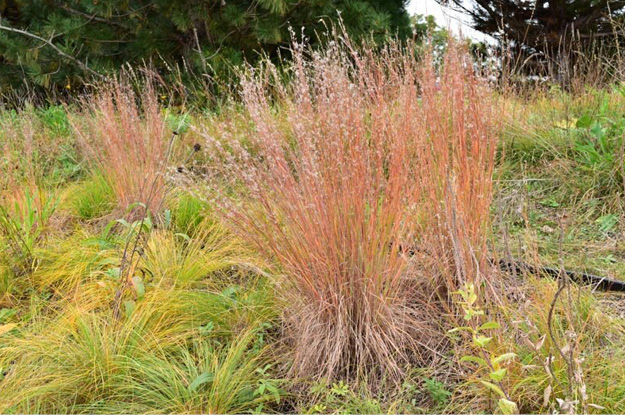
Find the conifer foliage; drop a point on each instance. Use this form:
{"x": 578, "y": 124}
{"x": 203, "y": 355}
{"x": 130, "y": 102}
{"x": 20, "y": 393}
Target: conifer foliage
{"x": 58, "y": 42}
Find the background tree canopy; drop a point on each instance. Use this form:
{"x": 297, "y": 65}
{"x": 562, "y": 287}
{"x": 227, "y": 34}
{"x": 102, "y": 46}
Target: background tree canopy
{"x": 40, "y": 38}
{"x": 541, "y": 27}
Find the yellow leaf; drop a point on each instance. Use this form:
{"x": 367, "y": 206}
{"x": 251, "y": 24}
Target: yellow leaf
{"x": 5, "y": 328}
{"x": 566, "y": 124}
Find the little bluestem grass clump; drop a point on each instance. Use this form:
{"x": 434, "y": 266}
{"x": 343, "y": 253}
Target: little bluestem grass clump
{"x": 359, "y": 155}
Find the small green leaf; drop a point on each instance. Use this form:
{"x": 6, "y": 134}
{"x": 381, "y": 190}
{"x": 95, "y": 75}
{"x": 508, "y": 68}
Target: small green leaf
{"x": 6, "y": 313}
{"x": 474, "y": 359}
{"x": 230, "y": 291}
{"x": 489, "y": 325}
{"x": 597, "y": 130}
{"x": 200, "y": 380}
{"x": 498, "y": 375}
{"x": 462, "y": 293}
{"x": 135, "y": 205}
{"x": 481, "y": 341}
{"x": 113, "y": 272}
{"x": 147, "y": 224}
{"x": 137, "y": 283}
{"x": 184, "y": 236}
{"x": 207, "y": 328}
{"x": 129, "y": 308}
{"x": 507, "y": 407}
{"x": 456, "y": 329}
{"x": 607, "y": 223}
{"x": 549, "y": 203}
{"x": 167, "y": 221}
{"x": 472, "y": 298}
{"x": 123, "y": 222}
{"x": 493, "y": 388}
{"x": 339, "y": 389}
{"x": 585, "y": 121}
{"x": 504, "y": 357}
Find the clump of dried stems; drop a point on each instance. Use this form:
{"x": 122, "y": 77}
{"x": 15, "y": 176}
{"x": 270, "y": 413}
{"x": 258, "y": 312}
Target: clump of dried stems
{"x": 367, "y": 180}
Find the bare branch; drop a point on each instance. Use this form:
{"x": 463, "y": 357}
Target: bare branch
{"x": 81, "y": 64}
{"x": 91, "y": 17}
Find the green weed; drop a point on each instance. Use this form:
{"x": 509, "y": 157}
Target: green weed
{"x": 24, "y": 221}
{"x": 93, "y": 198}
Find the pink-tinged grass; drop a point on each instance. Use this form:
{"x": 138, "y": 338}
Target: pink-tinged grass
{"x": 126, "y": 138}
{"x": 367, "y": 180}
